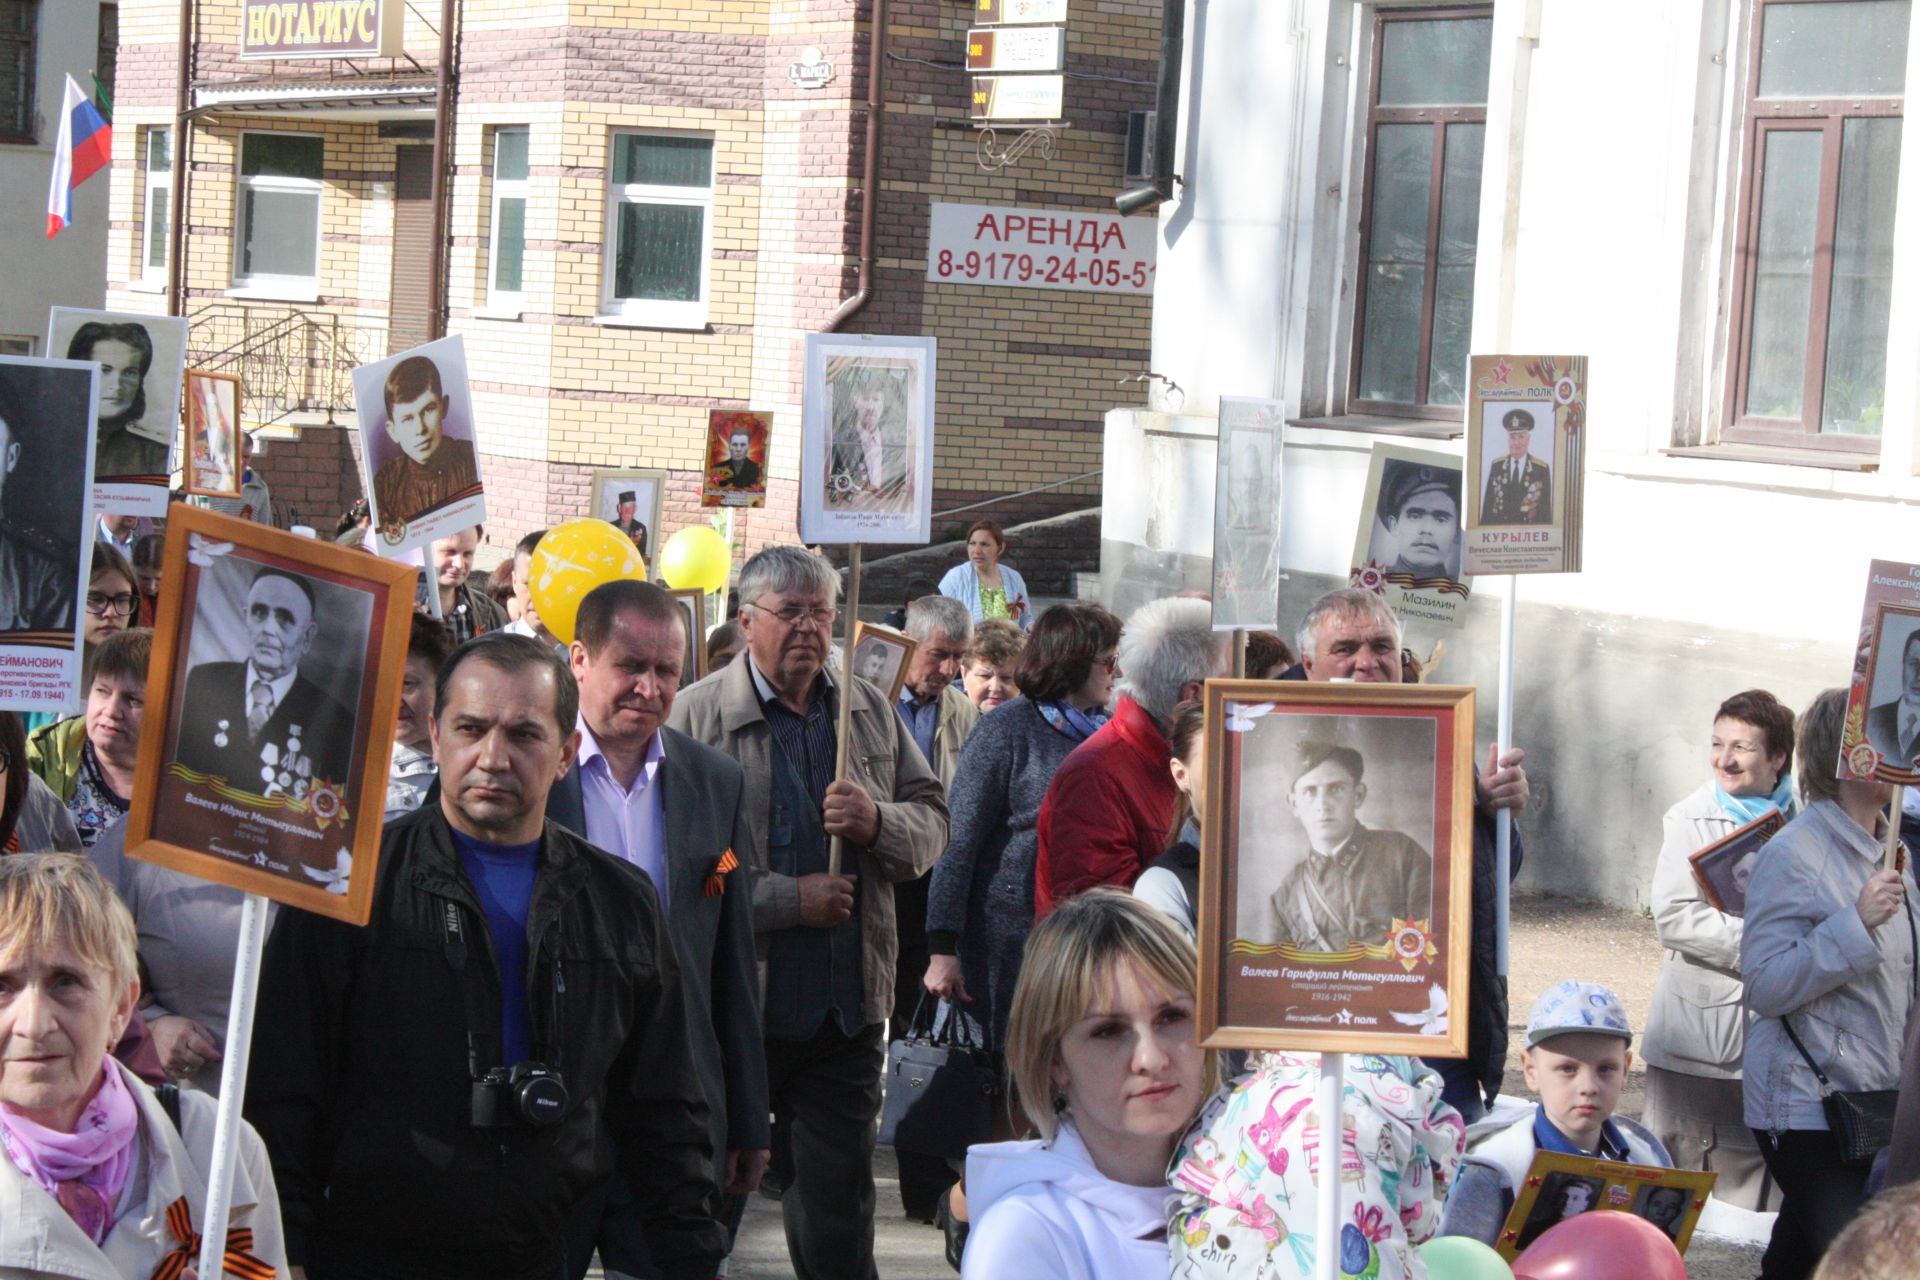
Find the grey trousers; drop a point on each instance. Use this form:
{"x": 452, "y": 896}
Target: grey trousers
{"x": 826, "y": 1096}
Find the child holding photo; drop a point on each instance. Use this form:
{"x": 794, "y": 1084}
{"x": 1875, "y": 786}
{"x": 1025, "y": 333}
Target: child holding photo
{"x": 1576, "y": 1059}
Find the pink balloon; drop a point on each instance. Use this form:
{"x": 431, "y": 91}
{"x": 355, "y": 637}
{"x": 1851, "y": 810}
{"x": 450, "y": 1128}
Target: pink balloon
{"x": 1601, "y": 1245}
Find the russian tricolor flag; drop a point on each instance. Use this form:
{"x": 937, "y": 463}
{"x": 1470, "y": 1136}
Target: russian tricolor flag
{"x": 84, "y": 148}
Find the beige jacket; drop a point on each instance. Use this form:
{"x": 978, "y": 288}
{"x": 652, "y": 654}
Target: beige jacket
{"x": 958, "y": 715}
{"x": 724, "y": 712}
{"x": 1697, "y": 1024}
{"x": 38, "y": 1241}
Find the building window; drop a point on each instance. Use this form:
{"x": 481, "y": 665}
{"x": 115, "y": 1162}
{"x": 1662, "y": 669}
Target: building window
{"x": 1813, "y": 275}
{"x": 1420, "y": 210}
{"x": 279, "y": 223}
{"x": 106, "y": 53}
{"x": 19, "y": 23}
{"x": 660, "y": 228}
{"x": 159, "y": 167}
{"x": 15, "y": 345}
{"x": 507, "y": 256}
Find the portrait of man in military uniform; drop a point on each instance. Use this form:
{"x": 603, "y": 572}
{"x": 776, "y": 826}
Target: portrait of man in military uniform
{"x": 738, "y": 471}
{"x": 141, "y": 360}
{"x": 1354, "y": 881}
{"x": 44, "y": 417}
{"x": 261, "y": 724}
{"x": 870, "y": 463}
{"x": 1518, "y": 488}
{"x": 431, "y": 465}
{"x": 1417, "y": 530}
{"x": 625, "y": 521}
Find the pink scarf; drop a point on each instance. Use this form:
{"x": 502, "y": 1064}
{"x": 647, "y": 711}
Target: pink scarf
{"x": 85, "y": 1170}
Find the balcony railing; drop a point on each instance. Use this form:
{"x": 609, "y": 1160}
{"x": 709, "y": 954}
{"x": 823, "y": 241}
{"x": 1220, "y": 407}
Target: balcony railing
{"x": 289, "y": 361}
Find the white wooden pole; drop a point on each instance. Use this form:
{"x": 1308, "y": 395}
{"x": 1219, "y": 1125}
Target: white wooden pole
{"x": 233, "y": 1085}
{"x": 1503, "y": 820}
{"x": 1326, "y": 1246}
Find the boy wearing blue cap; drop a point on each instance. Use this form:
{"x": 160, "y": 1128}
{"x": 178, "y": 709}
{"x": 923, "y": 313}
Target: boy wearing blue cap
{"x": 1576, "y": 1059}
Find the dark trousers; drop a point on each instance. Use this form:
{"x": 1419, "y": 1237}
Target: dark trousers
{"x": 1460, "y": 1087}
{"x": 826, "y": 1095}
{"x": 608, "y": 1220}
{"x": 1818, "y": 1198}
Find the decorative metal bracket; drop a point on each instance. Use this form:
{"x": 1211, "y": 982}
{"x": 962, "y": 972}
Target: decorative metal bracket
{"x": 1036, "y": 138}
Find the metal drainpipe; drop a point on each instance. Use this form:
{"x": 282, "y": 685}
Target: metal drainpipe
{"x": 177, "y": 193}
{"x": 442, "y": 155}
{"x": 870, "y": 180}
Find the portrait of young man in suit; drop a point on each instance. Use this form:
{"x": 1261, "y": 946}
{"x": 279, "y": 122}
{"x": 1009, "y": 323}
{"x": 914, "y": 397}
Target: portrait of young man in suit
{"x": 1893, "y": 727}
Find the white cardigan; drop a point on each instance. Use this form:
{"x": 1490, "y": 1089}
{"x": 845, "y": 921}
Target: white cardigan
{"x": 1697, "y": 1024}
{"x": 962, "y": 583}
{"x": 39, "y": 1241}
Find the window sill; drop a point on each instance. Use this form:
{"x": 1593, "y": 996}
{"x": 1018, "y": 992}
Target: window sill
{"x": 496, "y": 313}
{"x": 690, "y": 323}
{"x": 146, "y": 286}
{"x": 1774, "y": 455}
{"x": 1381, "y": 425}
{"x": 274, "y": 293}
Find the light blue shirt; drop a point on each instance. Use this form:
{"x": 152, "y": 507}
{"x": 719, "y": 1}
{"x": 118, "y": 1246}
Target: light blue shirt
{"x": 628, "y": 822}
{"x": 922, "y": 719}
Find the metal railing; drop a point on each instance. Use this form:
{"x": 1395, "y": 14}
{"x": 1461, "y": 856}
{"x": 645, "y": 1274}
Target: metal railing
{"x": 289, "y": 361}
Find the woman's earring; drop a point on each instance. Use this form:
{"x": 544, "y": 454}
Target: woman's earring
{"x": 1059, "y": 1104}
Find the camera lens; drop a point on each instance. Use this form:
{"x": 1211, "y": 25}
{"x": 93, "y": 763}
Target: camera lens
{"x": 542, "y": 1100}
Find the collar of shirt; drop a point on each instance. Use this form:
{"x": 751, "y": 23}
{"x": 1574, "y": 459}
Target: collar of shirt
{"x": 913, "y": 702}
{"x": 590, "y": 753}
{"x": 279, "y": 686}
{"x": 764, "y": 689}
{"x": 1347, "y": 847}
{"x": 1547, "y": 1136}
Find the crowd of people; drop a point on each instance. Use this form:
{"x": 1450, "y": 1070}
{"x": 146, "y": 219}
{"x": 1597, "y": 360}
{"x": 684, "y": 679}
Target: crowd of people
{"x": 639, "y": 942}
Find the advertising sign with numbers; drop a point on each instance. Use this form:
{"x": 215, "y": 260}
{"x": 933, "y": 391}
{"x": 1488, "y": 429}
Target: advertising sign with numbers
{"x": 992, "y": 11}
{"x": 1016, "y": 49}
{"x": 1041, "y": 249}
{"x": 1018, "y": 97}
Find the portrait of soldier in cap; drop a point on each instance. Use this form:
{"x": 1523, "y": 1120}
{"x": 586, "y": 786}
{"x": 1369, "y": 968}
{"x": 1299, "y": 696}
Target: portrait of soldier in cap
{"x": 1419, "y": 510}
{"x": 44, "y": 417}
{"x": 1519, "y": 485}
{"x": 1355, "y": 881}
{"x": 431, "y": 466}
{"x": 623, "y": 519}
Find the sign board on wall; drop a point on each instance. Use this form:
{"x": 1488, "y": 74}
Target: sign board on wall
{"x": 994, "y": 11}
{"x": 1016, "y": 49}
{"x": 1041, "y": 249}
{"x": 320, "y": 28}
{"x": 1018, "y": 97}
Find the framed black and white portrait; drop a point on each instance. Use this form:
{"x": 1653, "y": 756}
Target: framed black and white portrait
{"x": 141, "y": 359}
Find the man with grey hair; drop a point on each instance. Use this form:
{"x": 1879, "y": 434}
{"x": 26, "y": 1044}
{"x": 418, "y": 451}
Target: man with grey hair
{"x": 1350, "y": 634}
{"x": 1109, "y": 811}
{"x": 827, "y": 942}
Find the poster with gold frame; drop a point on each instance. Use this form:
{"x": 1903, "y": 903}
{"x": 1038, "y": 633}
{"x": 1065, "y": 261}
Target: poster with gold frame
{"x": 271, "y": 703}
{"x": 1560, "y": 1185}
{"x": 211, "y": 466}
{"x": 1336, "y": 867}
{"x": 1526, "y": 426}
{"x": 1881, "y": 734}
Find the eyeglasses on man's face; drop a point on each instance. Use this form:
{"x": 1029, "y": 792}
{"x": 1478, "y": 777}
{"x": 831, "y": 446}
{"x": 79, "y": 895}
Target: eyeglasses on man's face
{"x": 101, "y": 605}
{"x": 793, "y": 615}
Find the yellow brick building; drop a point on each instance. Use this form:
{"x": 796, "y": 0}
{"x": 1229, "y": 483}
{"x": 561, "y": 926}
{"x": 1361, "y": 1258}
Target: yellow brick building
{"x": 646, "y": 215}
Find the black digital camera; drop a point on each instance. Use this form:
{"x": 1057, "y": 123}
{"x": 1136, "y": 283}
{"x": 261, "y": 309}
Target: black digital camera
{"x": 527, "y": 1094}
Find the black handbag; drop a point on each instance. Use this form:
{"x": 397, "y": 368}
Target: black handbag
{"x": 941, "y": 1085}
{"x": 1861, "y": 1120}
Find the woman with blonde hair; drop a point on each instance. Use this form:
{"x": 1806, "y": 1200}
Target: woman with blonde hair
{"x": 100, "y": 1175}
{"x": 1101, "y": 1049}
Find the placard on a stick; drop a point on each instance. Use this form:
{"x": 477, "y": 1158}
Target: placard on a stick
{"x": 277, "y": 789}
{"x": 1408, "y": 547}
{"x": 866, "y": 439}
{"x": 1526, "y": 463}
{"x": 1246, "y": 514}
{"x": 141, "y": 360}
{"x": 1881, "y": 739}
{"x": 417, "y": 433}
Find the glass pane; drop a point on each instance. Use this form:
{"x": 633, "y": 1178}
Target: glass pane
{"x": 510, "y": 155}
{"x": 1436, "y": 62}
{"x": 16, "y": 17}
{"x": 659, "y": 252}
{"x": 159, "y": 150}
{"x": 282, "y": 233}
{"x": 1783, "y": 273}
{"x": 1396, "y": 263}
{"x": 1820, "y": 50}
{"x": 510, "y": 246}
{"x": 16, "y": 88}
{"x": 157, "y": 209}
{"x": 280, "y": 155}
{"x": 1855, "y": 398}
{"x": 652, "y": 160}
{"x": 1453, "y": 270}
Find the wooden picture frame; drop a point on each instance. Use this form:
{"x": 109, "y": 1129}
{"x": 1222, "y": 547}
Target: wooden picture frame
{"x": 649, "y": 488}
{"x": 1723, "y": 867}
{"x": 693, "y": 610}
{"x": 212, "y": 400}
{"x": 1871, "y": 743}
{"x": 874, "y": 645}
{"x": 1281, "y": 965}
{"x": 1605, "y": 1186}
{"x": 291, "y": 807}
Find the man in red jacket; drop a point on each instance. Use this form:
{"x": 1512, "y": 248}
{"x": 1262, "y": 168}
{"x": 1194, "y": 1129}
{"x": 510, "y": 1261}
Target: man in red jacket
{"x": 1109, "y": 812}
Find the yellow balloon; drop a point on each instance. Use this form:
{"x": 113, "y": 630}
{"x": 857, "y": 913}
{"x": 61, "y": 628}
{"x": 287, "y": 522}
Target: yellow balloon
{"x": 571, "y": 560}
{"x": 696, "y": 557}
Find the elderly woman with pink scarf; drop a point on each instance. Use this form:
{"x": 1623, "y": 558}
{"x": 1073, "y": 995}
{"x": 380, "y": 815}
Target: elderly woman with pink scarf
{"x": 98, "y": 1175}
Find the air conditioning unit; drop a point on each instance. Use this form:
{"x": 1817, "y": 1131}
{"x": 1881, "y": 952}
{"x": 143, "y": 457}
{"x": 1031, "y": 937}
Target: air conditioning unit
{"x": 1140, "y": 131}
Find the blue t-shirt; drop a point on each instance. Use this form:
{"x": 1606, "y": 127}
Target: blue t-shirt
{"x": 502, "y": 876}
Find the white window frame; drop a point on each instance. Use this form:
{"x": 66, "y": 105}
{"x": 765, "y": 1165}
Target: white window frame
{"x": 16, "y": 344}
{"x": 654, "y": 312}
{"x": 506, "y": 301}
{"x": 157, "y": 181}
{"x": 261, "y": 284}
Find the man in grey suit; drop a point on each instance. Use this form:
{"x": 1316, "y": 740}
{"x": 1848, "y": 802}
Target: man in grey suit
{"x": 671, "y": 806}
{"x": 1894, "y": 727}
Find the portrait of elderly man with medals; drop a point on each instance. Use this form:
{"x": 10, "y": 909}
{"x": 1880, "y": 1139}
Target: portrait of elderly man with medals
{"x": 260, "y": 724}
{"x": 1355, "y": 881}
{"x": 1519, "y": 486}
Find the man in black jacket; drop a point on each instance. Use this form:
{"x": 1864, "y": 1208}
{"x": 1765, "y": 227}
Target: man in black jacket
{"x": 1351, "y": 634}
{"x": 496, "y": 941}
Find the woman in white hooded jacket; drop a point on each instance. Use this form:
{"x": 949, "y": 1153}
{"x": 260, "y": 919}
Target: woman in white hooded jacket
{"x": 1101, "y": 1049}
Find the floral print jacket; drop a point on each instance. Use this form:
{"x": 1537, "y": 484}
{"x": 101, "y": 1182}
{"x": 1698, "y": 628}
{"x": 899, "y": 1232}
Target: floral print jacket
{"x": 1248, "y": 1170}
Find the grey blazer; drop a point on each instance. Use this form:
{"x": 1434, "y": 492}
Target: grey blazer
{"x": 712, "y": 932}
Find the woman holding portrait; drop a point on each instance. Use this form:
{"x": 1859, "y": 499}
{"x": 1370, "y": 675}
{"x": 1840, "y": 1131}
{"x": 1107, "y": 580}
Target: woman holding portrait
{"x": 1696, "y": 1029}
{"x": 988, "y": 588}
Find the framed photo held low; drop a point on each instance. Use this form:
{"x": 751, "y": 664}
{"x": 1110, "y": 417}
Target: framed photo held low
{"x": 212, "y": 467}
{"x": 271, "y": 702}
{"x": 693, "y": 610}
{"x": 881, "y": 656}
{"x": 1559, "y": 1186}
{"x": 1723, "y": 868}
{"x": 1335, "y": 876}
